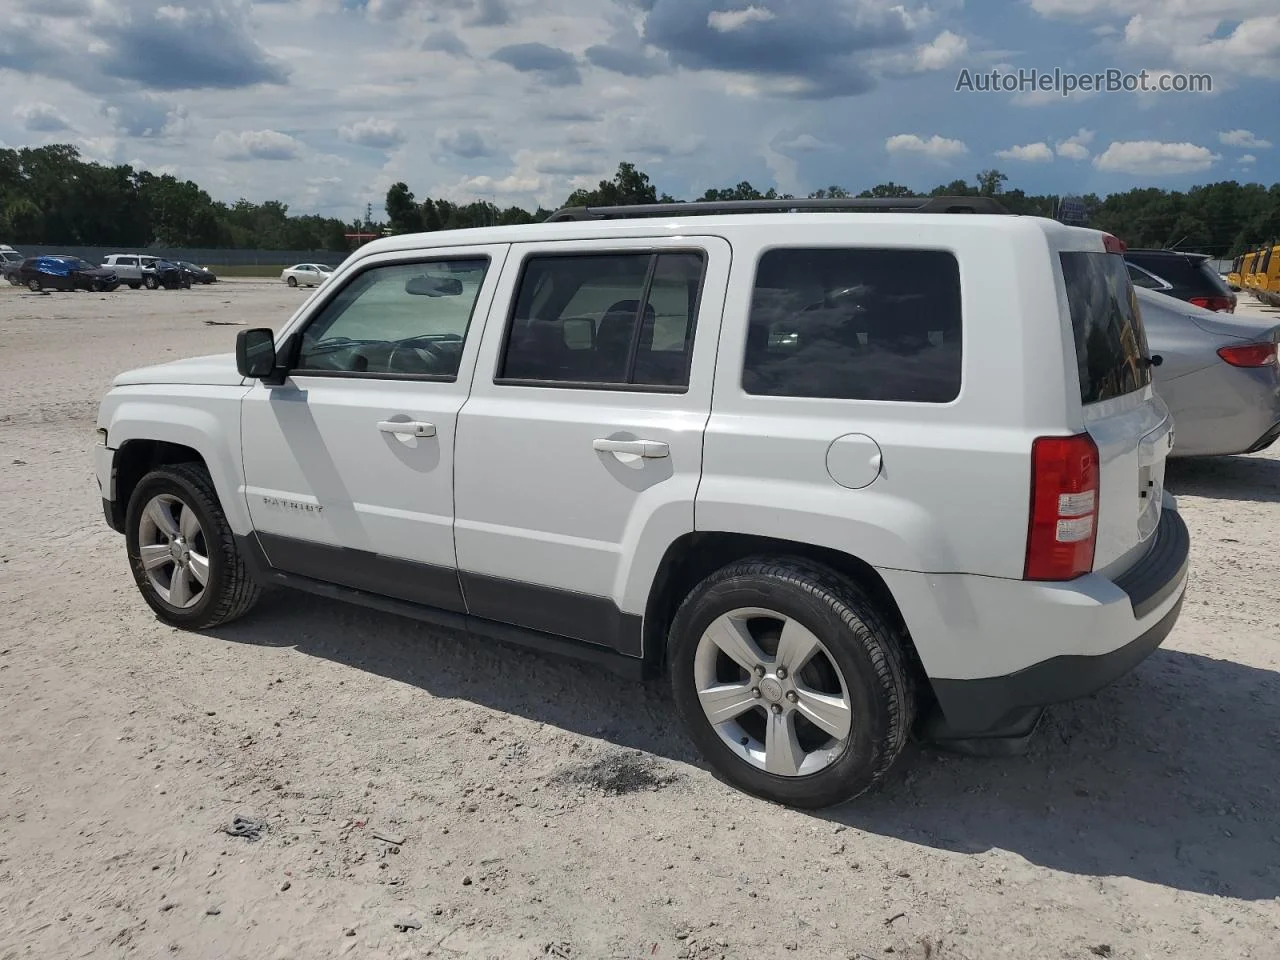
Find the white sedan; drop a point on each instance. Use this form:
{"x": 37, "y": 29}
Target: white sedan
{"x": 306, "y": 274}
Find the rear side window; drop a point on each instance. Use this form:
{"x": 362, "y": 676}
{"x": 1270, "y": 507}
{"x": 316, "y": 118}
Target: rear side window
{"x": 610, "y": 320}
{"x": 1111, "y": 345}
{"x": 855, "y": 324}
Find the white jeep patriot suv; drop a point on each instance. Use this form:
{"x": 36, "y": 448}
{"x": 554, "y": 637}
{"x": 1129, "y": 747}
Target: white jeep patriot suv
{"x": 843, "y": 469}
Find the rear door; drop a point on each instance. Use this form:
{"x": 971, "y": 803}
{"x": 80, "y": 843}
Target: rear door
{"x": 1128, "y": 422}
{"x": 580, "y": 448}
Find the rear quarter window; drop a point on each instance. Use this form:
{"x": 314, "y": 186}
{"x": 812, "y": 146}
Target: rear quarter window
{"x": 855, "y": 324}
{"x": 1110, "y": 342}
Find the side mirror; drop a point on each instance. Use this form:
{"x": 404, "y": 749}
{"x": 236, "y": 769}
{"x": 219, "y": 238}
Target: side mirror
{"x": 256, "y": 353}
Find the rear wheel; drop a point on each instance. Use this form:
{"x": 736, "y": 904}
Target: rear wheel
{"x": 292, "y": 281}
{"x": 182, "y": 552}
{"x": 34, "y": 285}
{"x": 792, "y": 683}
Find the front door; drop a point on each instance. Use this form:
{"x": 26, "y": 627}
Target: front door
{"x": 349, "y": 463}
{"x": 580, "y": 448}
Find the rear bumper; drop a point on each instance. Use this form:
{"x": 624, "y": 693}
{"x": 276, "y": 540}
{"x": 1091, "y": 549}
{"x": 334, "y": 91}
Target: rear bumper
{"x": 995, "y": 649}
{"x": 1223, "y": 410}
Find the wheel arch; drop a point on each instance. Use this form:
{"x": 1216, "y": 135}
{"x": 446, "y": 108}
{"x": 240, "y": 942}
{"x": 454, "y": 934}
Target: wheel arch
{"x": 143, "y": 439}
{"x": 694, "y": 556}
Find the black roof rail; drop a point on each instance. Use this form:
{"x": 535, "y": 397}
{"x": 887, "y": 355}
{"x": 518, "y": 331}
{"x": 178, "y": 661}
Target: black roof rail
{"x": 710, "y": 207}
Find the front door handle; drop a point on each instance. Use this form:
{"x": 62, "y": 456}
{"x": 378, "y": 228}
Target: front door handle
{"x": 408, "y": 428}
{"x": 649, "y": 449}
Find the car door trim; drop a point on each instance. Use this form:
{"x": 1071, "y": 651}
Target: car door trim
{"x": 557, "y": 621}
{"x": 407, "y": 580}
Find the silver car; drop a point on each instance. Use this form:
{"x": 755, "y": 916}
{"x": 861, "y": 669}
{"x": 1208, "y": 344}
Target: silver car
{"x": 1218, "y": 374}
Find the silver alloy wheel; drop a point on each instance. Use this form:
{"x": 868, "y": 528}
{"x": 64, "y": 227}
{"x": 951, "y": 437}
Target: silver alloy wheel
{"x": 173, "y": 550}
{"x": 772, "y": 692}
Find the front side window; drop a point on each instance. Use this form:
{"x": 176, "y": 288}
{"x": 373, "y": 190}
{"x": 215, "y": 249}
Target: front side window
{"x": 397, "y": 320}
{"x": 617, "y": 320}
{"x": 855, "y": 324}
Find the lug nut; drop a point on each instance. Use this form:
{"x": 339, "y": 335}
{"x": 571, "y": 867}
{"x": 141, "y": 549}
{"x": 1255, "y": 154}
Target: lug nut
{"x": 755, "y": 692}
{"x": 776, "y": 708}
{"x": 759, "y": 670}
{"x": 791, "y": 695}
{"x": 782, "y": 673}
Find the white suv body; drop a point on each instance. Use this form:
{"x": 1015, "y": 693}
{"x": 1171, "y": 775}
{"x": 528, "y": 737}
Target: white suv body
{"x": 666, "y": 439}
{"x": 134, "y": 270}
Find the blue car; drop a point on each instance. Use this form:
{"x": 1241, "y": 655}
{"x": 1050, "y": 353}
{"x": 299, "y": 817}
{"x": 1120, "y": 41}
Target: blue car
{"x": 65, "y": 273}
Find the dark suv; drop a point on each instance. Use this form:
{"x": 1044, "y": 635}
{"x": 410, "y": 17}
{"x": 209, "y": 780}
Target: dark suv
{"x": 1186, "y": 276}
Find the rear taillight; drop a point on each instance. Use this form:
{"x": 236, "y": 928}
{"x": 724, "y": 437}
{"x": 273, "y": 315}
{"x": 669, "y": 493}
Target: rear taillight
{"x": 1064, "y": 508}
{"x": 1250, "y": 355}
{"x": 1219, "y": 304}
{"x": 1113, "y": 244}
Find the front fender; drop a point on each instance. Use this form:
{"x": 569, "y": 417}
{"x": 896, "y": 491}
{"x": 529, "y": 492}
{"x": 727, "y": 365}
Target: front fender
{"x": 204, "y": 418}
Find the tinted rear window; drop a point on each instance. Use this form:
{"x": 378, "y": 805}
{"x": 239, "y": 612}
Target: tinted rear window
{"x": 1213, "y": 279}
{"x": 1110, "y": 341}
{"x": 855, "y": 324}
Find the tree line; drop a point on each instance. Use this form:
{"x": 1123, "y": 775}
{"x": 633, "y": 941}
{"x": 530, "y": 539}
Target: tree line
{"x": 1222, "y": 219}
{"x": 50, "y": 195}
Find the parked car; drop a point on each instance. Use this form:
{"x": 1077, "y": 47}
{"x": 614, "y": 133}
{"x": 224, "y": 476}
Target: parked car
{"x": 198, "y": 274}
{"x": 603, "y": 441}
{"x": 10, "y": 261}
{"x": 1218, "y": 375}
{"x": 135, "y": 270}
{"x": 1186, "y": 276}
{"x": 306, "y": 274}
{"x": 65, "y": 273}
{"x": 169, "y": 275}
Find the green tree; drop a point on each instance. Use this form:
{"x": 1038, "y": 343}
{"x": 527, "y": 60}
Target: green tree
{"x": 629, "y": 186}
{"x": 991, "y": 182}
{"x": 403, "y": 214}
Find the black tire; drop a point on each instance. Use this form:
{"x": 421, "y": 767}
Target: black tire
{"x": 150, "y": 282}
{"x": 34, "y": 285}
{"x": 862, "y": 642}
{"x": 186, "y": 283}
{"x": 230, "y": 592}
{"x": 292, "y": 281}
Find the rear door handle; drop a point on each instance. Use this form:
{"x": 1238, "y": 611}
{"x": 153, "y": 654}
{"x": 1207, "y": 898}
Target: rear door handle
{"x": 649, "y": 449}
{"x": 408, "y": 428}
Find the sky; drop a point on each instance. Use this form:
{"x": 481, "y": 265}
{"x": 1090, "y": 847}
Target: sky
{"x": 323, "y": 104}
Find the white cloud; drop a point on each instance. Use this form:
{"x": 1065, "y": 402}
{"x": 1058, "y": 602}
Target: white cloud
{"x": 41, "y": 118}
{"x": 382, "y": 134}
{"x": 1243, "y": 138}
{"x": 1247, "y": 159}
{"x": 1153, "y": 157}
{"x": 1028, "y": 153}
{"x": 726, "y": 21}
{"x": 1075, "y": 147}
{"x": 257, "y": 145}
{"x": 936, "y": 147}
{"x": 947, "y": 48}
{"x": 802, "y": 143}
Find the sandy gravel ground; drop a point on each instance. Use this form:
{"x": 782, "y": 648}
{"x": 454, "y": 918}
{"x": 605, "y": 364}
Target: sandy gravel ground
{"x": 509, "y": 805}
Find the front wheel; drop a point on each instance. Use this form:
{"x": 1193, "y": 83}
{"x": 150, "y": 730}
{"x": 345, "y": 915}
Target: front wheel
{"x": 791, "y": 682}
{"x": 150, "y": 282}
{"x": 182, "y": 552}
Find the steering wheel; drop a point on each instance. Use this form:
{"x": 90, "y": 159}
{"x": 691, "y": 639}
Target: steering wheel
{"x": 424, "y": 355}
